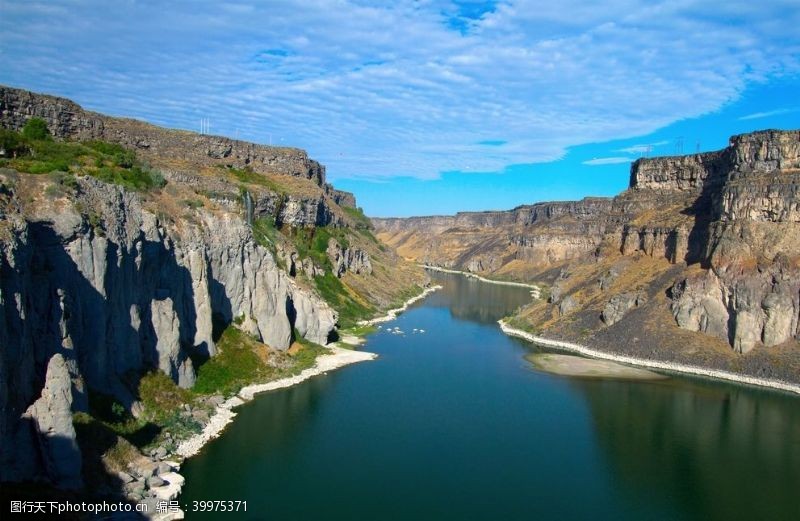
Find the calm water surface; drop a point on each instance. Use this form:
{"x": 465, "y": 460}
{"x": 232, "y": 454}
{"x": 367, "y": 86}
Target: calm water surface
{"x": 453, "y": 424}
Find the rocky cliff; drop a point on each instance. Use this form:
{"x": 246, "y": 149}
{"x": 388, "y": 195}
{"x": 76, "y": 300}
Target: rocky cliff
{"x": 704, "y": 243}
{"x": 67, "y": 120}
{"x": 104, "y": 279}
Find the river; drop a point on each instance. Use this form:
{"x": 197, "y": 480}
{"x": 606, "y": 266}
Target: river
{"x": 454, "y": 424}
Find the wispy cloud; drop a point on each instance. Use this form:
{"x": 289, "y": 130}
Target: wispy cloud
{"x": 642, "y": 147}
{"x": 607, "y": 161}
{"x": 767, "y": 114}
{"x": 395, "y": 88}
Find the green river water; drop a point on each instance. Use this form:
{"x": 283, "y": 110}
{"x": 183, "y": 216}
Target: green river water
{"x": 454, "y": 424}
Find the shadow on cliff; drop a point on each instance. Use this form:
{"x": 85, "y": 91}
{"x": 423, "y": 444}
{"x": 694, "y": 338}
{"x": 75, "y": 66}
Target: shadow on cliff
{"x": 704, "y": 210}
{"x": 96, "y": 332}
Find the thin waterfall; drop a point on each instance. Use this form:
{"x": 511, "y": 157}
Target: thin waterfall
{"x": 248, "y": 205}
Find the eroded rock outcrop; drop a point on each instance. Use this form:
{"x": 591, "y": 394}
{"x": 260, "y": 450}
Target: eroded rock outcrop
{"x": 349, "y": 259}
{"x": 619, "y": 305}
{"x": 53, "y": 436}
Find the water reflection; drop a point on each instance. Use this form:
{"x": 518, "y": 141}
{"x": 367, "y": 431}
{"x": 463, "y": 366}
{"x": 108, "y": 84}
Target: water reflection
{"x": 268, "y": 429}
{"x": 471, "y": 299}
{"x": 719, "y": 451}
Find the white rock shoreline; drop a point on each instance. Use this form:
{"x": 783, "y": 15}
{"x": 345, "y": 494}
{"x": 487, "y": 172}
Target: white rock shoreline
{"x": 651, "y": 364}
{"x": 392, "y": 313}
{"x": 224, "y": 414}
{"x": 535, "y": 290}
{"x": 339, "y": 357}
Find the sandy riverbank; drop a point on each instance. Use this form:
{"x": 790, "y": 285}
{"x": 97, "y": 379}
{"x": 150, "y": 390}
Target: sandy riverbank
{"x": 579, "y": 367}
{"x": 652, "y": 364}
{"x": 535, "y": 290}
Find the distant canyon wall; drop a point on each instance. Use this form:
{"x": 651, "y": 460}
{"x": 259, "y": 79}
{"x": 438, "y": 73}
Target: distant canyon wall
{"x": 735, "y": 213}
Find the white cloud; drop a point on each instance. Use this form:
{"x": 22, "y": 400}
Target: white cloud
{"x": 642, "y": 148}
{"x": 607, "y": 161}
{"x": 767, "y": 114}
{"x": 403, "y": 89}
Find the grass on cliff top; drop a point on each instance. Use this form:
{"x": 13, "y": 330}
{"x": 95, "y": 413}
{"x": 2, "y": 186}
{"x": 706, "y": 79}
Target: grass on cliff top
{"x": 362, "y": 222}
{"x": 248, "y": 176}
{"x": 36, "y": 153}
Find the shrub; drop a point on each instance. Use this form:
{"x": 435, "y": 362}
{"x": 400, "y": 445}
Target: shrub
{"x": 36, "y": 130}
{"x": 11, "y": 143}
{"x": 161, "y": 396}
{"x": 124, "y": 159}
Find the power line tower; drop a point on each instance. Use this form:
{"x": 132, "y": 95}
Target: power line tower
{"x": 697, "y": 147}
{"x": 679, "y": 145}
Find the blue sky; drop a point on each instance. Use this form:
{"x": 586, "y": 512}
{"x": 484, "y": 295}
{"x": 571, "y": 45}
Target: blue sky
{"x": 428, "y": 107}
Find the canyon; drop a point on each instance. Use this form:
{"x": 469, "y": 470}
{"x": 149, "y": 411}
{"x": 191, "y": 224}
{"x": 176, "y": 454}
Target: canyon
{"x": 698, "y": 262}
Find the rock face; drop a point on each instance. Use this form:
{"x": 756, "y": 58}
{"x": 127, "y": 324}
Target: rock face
{"x": 124, "y": 291}
{"x": 732, "y": 215}
{"x": 50, "y": 418}
{"x": 96, "y": 287}
{"x": 619, "y": 305}
{"x": 101, "y": 284}
{"x": 567, "y": 306}
{"x": 353, "y": 260}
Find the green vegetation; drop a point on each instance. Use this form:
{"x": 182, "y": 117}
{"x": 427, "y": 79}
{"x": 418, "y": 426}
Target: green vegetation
{"x": 11, "y": 143}
{"x": 36, "y": 130}
{"x": 97, "y": 439}
{"x": 111, "y": 431}
{"x": 194, "y": 204}
{"x": 160, "y": 396}
{"x": 63, "y": 183}
{"x": 306, "y": 357}
{"x": 357, "y": 214}
{"x": 33, "y": 151}
{"x": 313, "y": 243}
{"x": 235, "y": 365}
{"x": 265, "y": 232}
{"x": 518, "y": 322}
{"x": 342, "y": 300}
{"x": 362, "y": 330}
{"x": 242, "y": 360}
{"x": 246, "y": 175}
{"x": 404, "y": 295}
